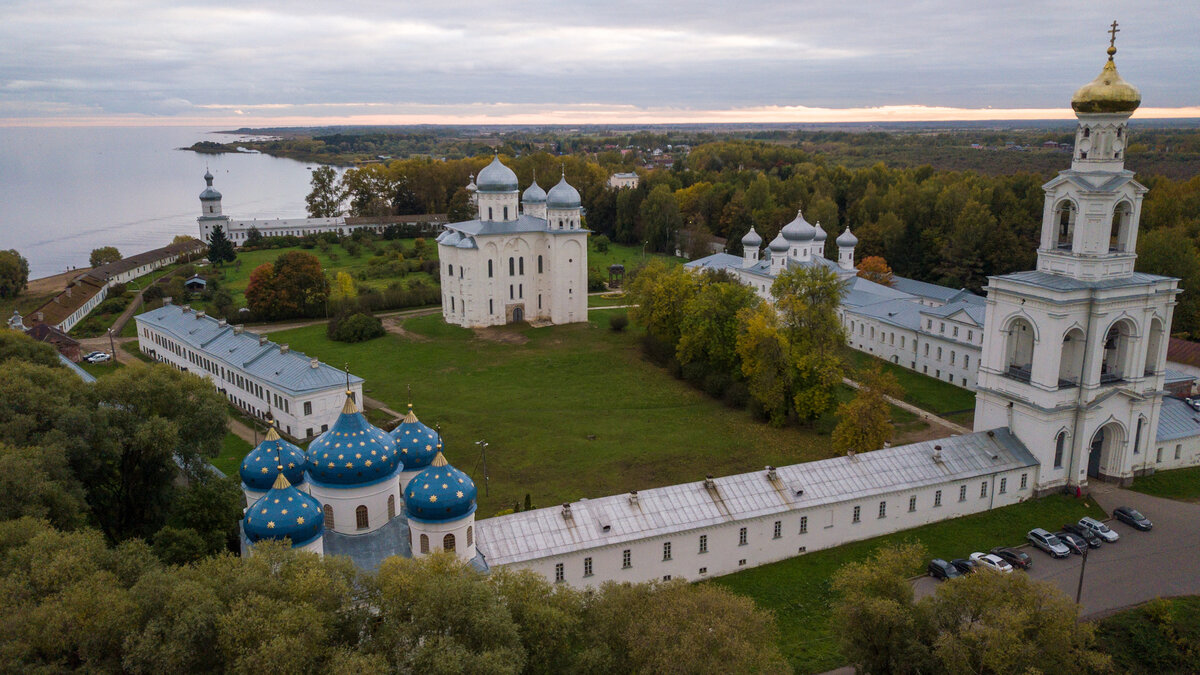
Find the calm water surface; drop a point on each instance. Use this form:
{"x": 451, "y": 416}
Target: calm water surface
{"x": 66, "y": 191}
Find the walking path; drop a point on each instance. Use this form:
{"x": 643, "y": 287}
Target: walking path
{"x": 611, "y": 307}
{"x": 264, "y": 328}
{"x": 919, "y": 412}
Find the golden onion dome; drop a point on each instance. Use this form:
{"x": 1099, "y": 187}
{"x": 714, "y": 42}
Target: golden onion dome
{"x": 1108, "y": 93}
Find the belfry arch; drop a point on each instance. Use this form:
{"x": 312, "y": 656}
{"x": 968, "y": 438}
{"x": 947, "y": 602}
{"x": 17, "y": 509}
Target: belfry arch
{"x": 1064, "y": 219}
{"x": 1018, "y": 349}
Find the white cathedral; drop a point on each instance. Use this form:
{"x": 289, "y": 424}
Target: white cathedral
{"x": 1070, "y": 389}
{"x": 522, "y": 261}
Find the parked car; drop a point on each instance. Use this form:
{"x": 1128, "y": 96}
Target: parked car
{"x": 1103, "y": 531}
{"x": 963, "y": 565}
{"x": 88, "y": 356}
{"x": 988, "y": 561}
{"x": 1048, "y": 542}
{"x": 940, "y": 569}
{"x": 1093, "y": 540}
{"x": 1076, "y": 543}
{"x": 98, "y": 357}
{"x": 1014, "y": 557}
{"x": 1130, "y": 516}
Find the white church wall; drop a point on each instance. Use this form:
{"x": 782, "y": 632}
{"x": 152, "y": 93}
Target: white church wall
{"x": 462, "y": 532}
{"x": 345, "y": 500}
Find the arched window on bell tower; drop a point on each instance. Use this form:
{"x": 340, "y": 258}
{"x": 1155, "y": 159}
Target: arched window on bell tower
{"x": 1064, "y": 217}
{"x": 1120, "y": 231}
{"x": 1019, "y": 350}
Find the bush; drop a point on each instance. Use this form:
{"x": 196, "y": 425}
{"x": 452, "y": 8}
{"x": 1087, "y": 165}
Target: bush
{"x": 153, "y": 292}
{"x": 430, "y": 267}
{"x": 695, "y": 372}
{"x": 601, "y": 243}
{"x": 597, "y": 279}
{"x": 117, "y": 290}
{"x": 618, "y": 322}
{"x": 357, "y": 327}
{"x": 716, "y": 383}
{"x": 737, "y": 395}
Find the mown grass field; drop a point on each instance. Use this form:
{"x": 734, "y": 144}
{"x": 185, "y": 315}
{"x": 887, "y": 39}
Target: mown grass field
{"x": 630, "y": 256}
{"x": 233, "y": 449}
{"x": 1182, "y": 484}
{"x": 798, "y": 589}
{"x": 941, "y": 398}
{"x": 568, "y": 411}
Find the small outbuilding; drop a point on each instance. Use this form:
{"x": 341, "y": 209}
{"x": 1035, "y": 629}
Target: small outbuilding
{"x": 196, "y": 284}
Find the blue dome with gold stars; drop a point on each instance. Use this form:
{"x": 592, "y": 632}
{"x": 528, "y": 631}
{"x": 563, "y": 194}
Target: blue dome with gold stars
{"x": 353, "y": 452}
{"x": 258, "y": 468}
{"x": 416, "y": 443}
{"x": 440, "y": 493}
{"x": 284, "y": 512}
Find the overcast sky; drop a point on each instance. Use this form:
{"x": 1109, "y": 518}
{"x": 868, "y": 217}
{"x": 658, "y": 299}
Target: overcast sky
{"x": 300, "y": 61}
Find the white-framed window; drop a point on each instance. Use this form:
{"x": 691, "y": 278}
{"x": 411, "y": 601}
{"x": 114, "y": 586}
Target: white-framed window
{"x": 883, "y": 509}
{"x": 559, "y": 573}
{"x": 587, "y": 567}
{"x": 803, "y": 524}
{"x": 703, "y": 570}
{"x": 742, "y": 537}
{"x": 666, "y": 550}
{"x": 1003, "y": 485}
{"x": 626, "y": 559}
{"x": 1024, "y": 481}
{"x": 857, "y": 514}
{"x": 937, "y": 498}
{"x": 704, "y": 543}
{"x": 962, "y": 493}
{"x": 912, "y": 504}
{"x": 778, "y": 529}
{"x": 983, "y": 489}
{"x": 742, "y": 562}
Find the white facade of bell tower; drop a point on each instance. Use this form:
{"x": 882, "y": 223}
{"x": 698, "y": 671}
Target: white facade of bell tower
{"x": 1074, "y": 354}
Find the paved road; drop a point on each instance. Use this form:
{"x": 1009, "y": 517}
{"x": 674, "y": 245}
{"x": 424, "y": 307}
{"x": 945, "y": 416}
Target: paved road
{"x": 1139, "y": 567}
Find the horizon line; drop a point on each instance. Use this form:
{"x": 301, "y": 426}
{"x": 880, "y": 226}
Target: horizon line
{"x": 589, "y": 114}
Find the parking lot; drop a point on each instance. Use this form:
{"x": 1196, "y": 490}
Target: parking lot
{"x": 1139, "y": 567}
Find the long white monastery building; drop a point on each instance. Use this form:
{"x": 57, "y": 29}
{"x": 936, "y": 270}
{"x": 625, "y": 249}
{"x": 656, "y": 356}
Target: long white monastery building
{"x": 515, "y": 264}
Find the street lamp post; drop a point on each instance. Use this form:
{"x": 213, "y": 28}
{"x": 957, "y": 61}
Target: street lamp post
{"x": 1082, "y": 568}
{"x": 112, "y": 344}
{"x": 483, "y": 446}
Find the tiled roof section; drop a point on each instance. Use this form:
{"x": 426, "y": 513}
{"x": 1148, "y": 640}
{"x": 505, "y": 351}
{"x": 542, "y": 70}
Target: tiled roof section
{"x": 900, "y": 313}
{"x": 60, "y": 307}
{"x": 1182, "y": 351}
{"x": 1058, "y": 282}
{"x": 1177, "y": 377}
{"x": 288, "y": 370}
{"x": 1177, "y": 420}
{"x": 613, "y": 520}
{"x": 44, "y": 332}
{"x": 974, "y": 311}
{"x": 924, "y": 289}
{"x": 104, "y": 272}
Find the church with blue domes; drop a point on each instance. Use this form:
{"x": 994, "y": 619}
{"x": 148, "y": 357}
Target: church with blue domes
{"x": 361, "y": 492}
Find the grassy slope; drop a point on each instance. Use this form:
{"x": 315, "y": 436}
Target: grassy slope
{"x": 622, "y": 254}
{"x": 1181, "y": 484}
{"x": 233, "y": 449}
{"x": 923, "y": 391}
{"x": 537, "y": 403}
{"x": 797, "y": 590}
{"x": 1154, "y": 638}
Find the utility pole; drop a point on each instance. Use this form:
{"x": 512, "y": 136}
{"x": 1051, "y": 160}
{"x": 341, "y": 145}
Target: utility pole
{"x": 112, "y": 344}
{"x": 483, "y": 446}
{"x": 1082, "y": 568}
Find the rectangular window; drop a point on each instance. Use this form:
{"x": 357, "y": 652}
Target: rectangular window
{"x": 926, "y": 349}
{"x": 803, "y": 524}
{"x": 778, "y": 529}
{"x": 742, "y": 537}
{"x": 742, "y": 562}
{"x": 966, "y": 360}
{"x": 983, "y": 489}
{"x": 952, "y": 357}
{"x": 955, "y": 331}
{"x": 1158, "y": 457}
{"x": 704, "y": 543}
{"x": 626, "y": 559}
{"x": 666, "y": 550}
{"x": 857, "y": 514}
{"x": 937, "y": 498}
{"x": 883, "y": 509}
{"x": 666, "y": 577}
{"x": 970, "y": 335}
{"x": 1003, "y": 485}
{"x": 939, "y": 356}
{"x": 308, "y": 407}
{"x": 912, "y": 504}
{"x": 587, "y": 567}
{"x": 1024, "y": 481}
{"x": 962, "y": 493}
{"x": 703, "y": 570}
{"x": 559, "y": 575}
{"x": 929, "y": 324}
{"x": 941, "y": 327}
{"x": 511, "y": 296}
{"x": 1177, "y": 448}
{"x": 521, "y": 263}
{"x": 491, "y": 306}
{"x": 901, "y": 342}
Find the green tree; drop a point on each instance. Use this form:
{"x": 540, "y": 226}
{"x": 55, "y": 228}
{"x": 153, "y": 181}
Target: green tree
{"x": 220, "y": 249}
{"x": 17, "y": 345}
{"x": 36, "y": 481}
{"x": 764, "y": 351}
{"x": 807, "y": 299}
{"x": 710, "y": 324}
{"x": 660, "y": 218}
{"x": 660, "y": 293}
{"x": 864, "y": 422}
{"x": 103, "y": 256}
{"x": 326, "y": 197}
{"x": 1172, "y": 253}
{"x": 343, "y": 287}
{"x": 14, "y": 273}
{"x": 460, "y": 207}
{"x": 253, "y": 237}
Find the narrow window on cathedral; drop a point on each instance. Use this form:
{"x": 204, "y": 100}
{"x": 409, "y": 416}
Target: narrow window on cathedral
{"x": 489, "y": 213}
{"x": 491, "y": 306}
{"x": 512, "y": 266}
{"x": 424, "y": 543}
{"x": 360, "y": 518}
{"x": 470, "y": 535}
{"x": 539, "y": 264}
{"x": 489, "y": 269}
{"x": 391, "y": 506}
{"x": 448, "y": 542}
{"x": 328, "y": 509}
{"x": 521, "y": 291}
{"x": 1059, "y": 444}
{"x": 506, "y": 213}
{"x": 521, "y": 264}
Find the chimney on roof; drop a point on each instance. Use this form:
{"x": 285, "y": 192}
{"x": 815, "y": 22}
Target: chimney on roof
{"x": 283, "y": 349}
{"x": 222, "y": 323}
{"x": 262, "y": 340}
{"x": 850, "y": 455}
{"x": 39, "y": 316}
{"x": 937, "y": 453}
{"x": 313, "y": 363}
{"x": 200, "y": 315}
{"x": 709, "y": 483}
{"x": 633, "y": 498}
{"x": 772, "y": 474}
{"x": 187, "y": 308}
{"x": 566, "y": 511}
{"x": 237, "y": 330}
{"x": 166, "y": 301}
{"x": 68, "y": 291}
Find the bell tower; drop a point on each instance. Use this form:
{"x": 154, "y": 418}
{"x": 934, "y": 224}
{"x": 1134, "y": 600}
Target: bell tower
{"x": 1075, "y": 351}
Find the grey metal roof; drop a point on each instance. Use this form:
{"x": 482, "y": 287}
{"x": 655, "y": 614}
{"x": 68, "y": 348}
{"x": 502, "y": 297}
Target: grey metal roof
{"x": 1058, "y": 282}
{"x": 531, "y": 535}
{"x": 523, "y": 223}
{"x": 290, "y": 371}
{"x": 1177, "y": 420}
{"x": 973, "y": 311}
{"x": 899, "y": 313}
{"x": 74, "y": 367}
{"x": 1177, "y": 377}
{"x": 716, "y": 261}
{"x": 924, "y": 289}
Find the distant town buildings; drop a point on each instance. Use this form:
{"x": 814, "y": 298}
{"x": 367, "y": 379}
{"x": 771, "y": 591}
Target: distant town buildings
{"x": 623, "y": 180}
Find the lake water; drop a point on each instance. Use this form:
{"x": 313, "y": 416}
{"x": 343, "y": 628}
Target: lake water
{"x": 66, "y": 191}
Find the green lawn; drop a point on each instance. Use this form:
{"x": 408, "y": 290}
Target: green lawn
{"x": 798, "y": 589}
{"x": 1183, "y": 484}
{"x": 923, "y": 391}
{"x": 233, "y": 449}
{"x": 1160, "y": 636}
{"x": 608, "y": 300}
{"x": 100, "y": 369}
{"x": 132, "y": 348}
{"x": 573, "y": 411}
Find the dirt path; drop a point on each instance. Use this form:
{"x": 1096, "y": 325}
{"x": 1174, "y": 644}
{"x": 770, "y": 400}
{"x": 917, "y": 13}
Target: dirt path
{"x": 264, "y": 328}
{"x": 919, "y": 412}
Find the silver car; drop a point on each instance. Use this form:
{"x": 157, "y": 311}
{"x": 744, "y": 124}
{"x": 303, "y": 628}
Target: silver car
{"x": 1100, "y": 529}
{"x": 1048, "y": 542}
